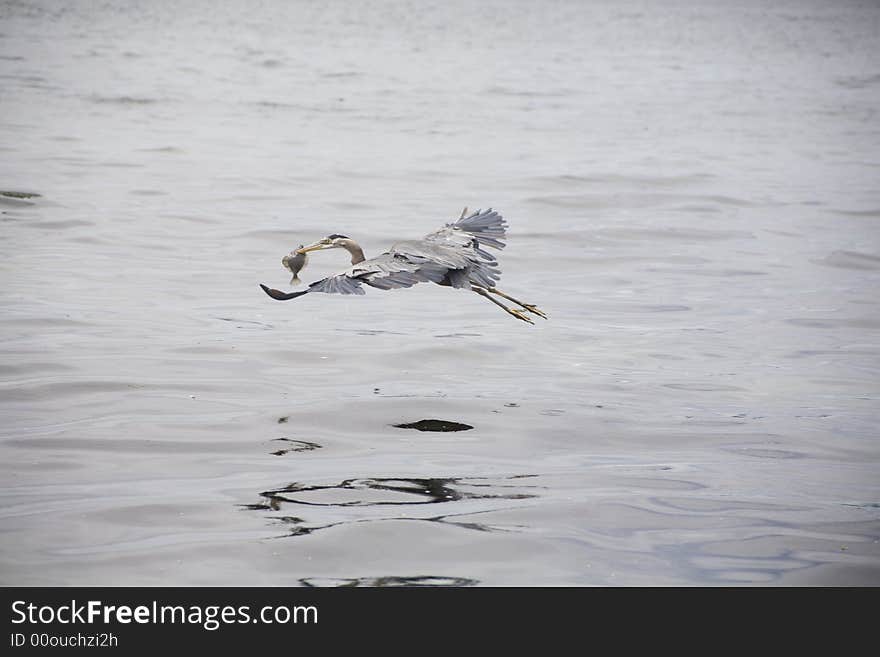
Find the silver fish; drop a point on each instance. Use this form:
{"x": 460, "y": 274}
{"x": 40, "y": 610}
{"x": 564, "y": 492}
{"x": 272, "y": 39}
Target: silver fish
{"x": 295, "y": 262}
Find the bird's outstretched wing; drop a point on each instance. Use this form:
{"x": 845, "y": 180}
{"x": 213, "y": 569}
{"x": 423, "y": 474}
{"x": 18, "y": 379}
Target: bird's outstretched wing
{"x": 394, "y": 269}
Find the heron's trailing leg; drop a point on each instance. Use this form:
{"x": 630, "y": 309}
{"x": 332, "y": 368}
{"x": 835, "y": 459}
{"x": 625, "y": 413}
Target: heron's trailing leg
{"x": 528, "y": 306}
{"x": 513, "y": 311}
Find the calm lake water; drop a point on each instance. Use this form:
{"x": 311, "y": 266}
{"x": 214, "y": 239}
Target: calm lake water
{"x": 692, "y": 193}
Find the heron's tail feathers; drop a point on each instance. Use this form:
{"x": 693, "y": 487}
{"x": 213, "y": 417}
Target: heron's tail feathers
{"x": 488, "y": 227}
{"x": 295, "y": 280}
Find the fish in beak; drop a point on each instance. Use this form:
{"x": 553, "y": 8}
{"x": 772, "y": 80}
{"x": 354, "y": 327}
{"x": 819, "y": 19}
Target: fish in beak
{"x": 295, "y": 261}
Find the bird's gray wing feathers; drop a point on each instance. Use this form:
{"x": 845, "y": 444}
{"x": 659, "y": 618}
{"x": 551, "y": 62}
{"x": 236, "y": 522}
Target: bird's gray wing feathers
{"x": 466, "y": 237}
{"x": 487, "y": 227}
{"x": 390, "y": 270}
{"x": 338, "y": 284}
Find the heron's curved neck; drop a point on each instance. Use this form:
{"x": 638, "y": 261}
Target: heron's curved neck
{"x": 357, "y": 253}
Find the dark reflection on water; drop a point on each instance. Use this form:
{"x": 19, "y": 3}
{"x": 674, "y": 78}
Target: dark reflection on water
{"x": 292, "y": 445}
{"x": 435, "y": 425}
{"x": 20, "y": 195}
{"x": 423, "y": 580}
{"x": 297, "y": 526}
{"x": 423, "y": 491}
{"x": 374, "y": 492}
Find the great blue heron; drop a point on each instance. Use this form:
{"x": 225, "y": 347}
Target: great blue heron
{"x": 452, "y": 256}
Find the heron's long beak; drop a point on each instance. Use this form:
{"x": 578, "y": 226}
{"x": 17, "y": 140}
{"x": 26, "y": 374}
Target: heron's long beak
{"x": 317, "y": 246}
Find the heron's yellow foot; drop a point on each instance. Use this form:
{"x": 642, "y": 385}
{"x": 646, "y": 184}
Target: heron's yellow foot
{"x": 519, "y": 314}
{"x": 534, "y": 309}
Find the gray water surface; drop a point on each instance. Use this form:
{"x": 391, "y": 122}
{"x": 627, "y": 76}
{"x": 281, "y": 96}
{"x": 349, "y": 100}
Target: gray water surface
{"x": 692, "y": 193}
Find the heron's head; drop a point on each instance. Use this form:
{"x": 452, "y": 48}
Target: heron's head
{"x": 334, "y": 241}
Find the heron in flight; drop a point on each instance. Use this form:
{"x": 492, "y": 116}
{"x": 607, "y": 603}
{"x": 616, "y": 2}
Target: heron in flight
{"x": 452, "y": 256}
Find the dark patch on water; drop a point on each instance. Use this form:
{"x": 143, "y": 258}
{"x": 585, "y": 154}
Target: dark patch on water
{"x": 421, "y": 580}
{"x": 435, "y": 425}
{"x": 20, "y": 195}
{"x": 283, "y": 419}
{"x": 295, "y": 446}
